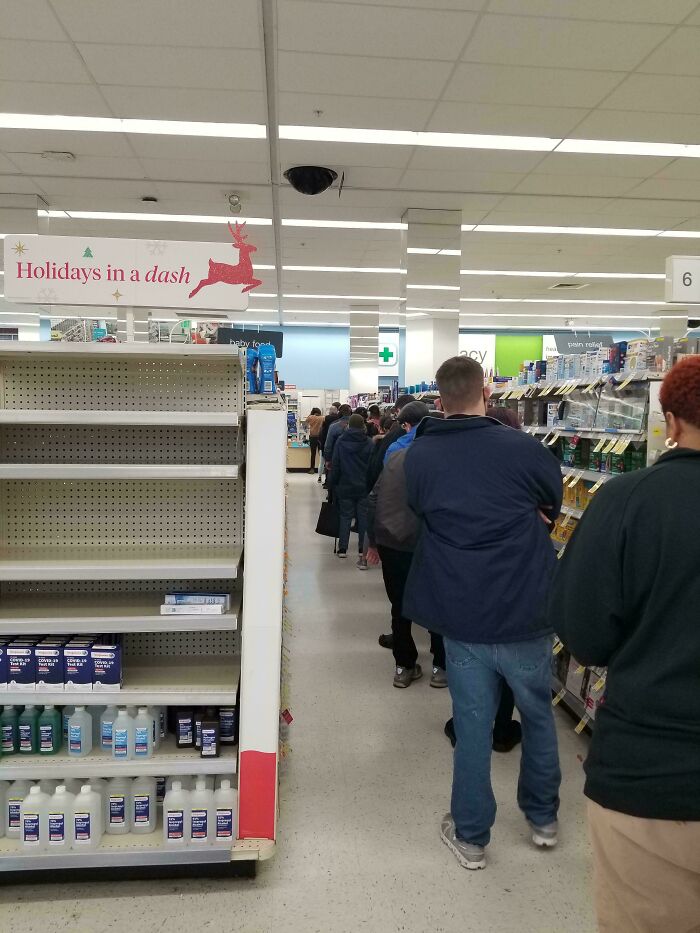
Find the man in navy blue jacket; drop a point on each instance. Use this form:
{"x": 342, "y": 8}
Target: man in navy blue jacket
{"x": 484, "y": 495}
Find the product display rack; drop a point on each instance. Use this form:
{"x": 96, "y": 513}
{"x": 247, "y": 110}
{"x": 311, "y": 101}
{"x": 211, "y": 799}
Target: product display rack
{"x": 128, "y": 471}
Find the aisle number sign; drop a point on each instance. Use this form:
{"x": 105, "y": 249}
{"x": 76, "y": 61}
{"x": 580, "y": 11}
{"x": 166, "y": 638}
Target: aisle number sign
{"x": 107, "y": 271}
{"x": 683, "y": 278}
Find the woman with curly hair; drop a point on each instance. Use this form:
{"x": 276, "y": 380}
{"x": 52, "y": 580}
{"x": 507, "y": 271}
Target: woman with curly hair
{"x": 627, "y": 596}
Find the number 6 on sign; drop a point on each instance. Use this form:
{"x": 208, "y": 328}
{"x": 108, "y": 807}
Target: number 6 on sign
{"x": 683, "y": 278}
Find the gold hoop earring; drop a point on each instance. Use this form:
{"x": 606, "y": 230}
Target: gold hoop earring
{"x": 669, "y": 444}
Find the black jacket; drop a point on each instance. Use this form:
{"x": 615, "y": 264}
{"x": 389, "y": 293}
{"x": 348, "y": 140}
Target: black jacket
{"x": 327, "y": 422}
{"x": 390, "y": 521}
{"x": 482, "y": 566}
{"x": 380, "y": 448}
{"x": 627, "y": 595}
{"x": 349, "y": 466}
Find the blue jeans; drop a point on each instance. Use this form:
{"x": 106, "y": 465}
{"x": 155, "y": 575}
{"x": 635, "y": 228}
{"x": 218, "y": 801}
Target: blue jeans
{"x": 474, "y": 675}
{"x": 349, "y": 509}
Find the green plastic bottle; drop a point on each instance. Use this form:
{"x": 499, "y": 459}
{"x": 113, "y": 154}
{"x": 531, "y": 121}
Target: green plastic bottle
{"x": 29, "y": 730}
{"x": 50, "y": 731}
{"x": 9, "y": 731}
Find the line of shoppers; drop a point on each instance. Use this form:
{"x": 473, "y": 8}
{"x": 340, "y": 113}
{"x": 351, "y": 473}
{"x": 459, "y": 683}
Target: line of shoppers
{"x": 351, "y": 453}
{"x": 314, "y": 423}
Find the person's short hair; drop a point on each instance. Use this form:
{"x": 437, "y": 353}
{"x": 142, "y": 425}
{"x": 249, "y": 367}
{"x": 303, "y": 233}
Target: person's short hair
{"x": 505, "y": 415}
{"x": 402, "y": 401}
{"x": 335, "y": 404}
{"x": 460, "y": 381}
{"x": 374, "y": 411}
{"x": 680, "y": 391}
{"x": 315, "y": 411}
{"x": 344, "y": 411}
{"x": 357, "y": 422}
{"x": 387, "y": 422}
{"x": 362, "y": 412}
{"x": 413, "y": 413}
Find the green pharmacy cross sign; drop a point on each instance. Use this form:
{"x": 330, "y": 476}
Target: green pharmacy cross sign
{"x": 386, "y": 354}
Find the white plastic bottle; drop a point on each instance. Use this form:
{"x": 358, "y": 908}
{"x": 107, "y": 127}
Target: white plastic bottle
{"x": 186, "y": 782}
{"x": 226, "y": 806}
{"x": 123, "y": 735}
{"x": 33, "y": 815}
{"x": 176, "y": 816}
{"x": 60, "y": 814}
{"x": 96, "y": 715}
{"x": 80, "y": 733}
{"x": 144, "y": 805}
{"x": 154, "y": 716}
{"x": 48, "y": 785}
{"x": 16, "y": 793}
{"x": 117, "y": 806}
{"x": 87, "y": 825}
{"x": 66, "y": 713}
{"x": 106, "y": 724}
{"x": 202, "y": 814}
{"x": 143, "y": 733}
{"x": 3, "y": 807}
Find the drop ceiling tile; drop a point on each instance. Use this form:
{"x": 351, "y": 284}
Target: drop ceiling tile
{"x": 39, "y": 97}
{"x": 681, "y": 168}
{"x": 355, "y": 75}
{"x": 537, "y": 41}
{"x": 80, "y": 144}
{"x": 474, "y": 160}
{"x": 79, "y": 189}
{"x": 465, "y": 5}
{"x": 159, "y": 103}
{"x": 570, "y": 163}
{"x": 31, "y": 19}
{"x": 371, "y": 177}
{"x": 41, "y": 61}
{"x": 466, "y": 182}
{"x": 85, "y": 166}
{"x": 223, "y": 172}
{"x": 348, "y": 29}
{"x": 661, "y": 93}
{"x": 678, "y": 55}
{"x": 637, "y": 125}
{"x": 162, "y": 22}
{"x": 342, "y": 155}
{"x": 463, "y": 117}
{"x": 171, "y": 67}
{"x": 634, "y": 11}
{"x": 550, "y": 87}
{"x": 6, "y": 165}
{"x": 683, "y": 189}
{"x": 199, "y": 147}
{"x": 16, "y": 184}
{"x": 588, "y": 185}
{"x": 358, "y": 112}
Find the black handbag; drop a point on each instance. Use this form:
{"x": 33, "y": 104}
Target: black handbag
{"x": 328, "y": 523}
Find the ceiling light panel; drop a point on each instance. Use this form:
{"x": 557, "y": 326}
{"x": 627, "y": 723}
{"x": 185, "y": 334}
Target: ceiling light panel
{"x": 158, "y": 218}
{"x": 339, "y": 134}
{"x": 61, "y": 123}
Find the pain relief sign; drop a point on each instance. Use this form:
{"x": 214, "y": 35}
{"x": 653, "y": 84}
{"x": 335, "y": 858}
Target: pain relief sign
{"x": 136, "y": 273}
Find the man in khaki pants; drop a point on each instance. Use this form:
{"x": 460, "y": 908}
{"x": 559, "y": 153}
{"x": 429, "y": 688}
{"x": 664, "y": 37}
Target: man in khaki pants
{"x": 627, "y": 596}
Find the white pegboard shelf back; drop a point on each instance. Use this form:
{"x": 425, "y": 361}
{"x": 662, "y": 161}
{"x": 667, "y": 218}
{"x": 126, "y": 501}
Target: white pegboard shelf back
{"x": 158, "y": 681}
{"x": 59, "y": 614}
{"x": 109, "y": 471}
{"x": 80, "y": 351}
{"x": 166, "y": 761}
{"x": 119, "y": 563}
{"x": 117, "y": 417}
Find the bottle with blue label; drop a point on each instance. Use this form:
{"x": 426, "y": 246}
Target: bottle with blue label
{"x": 106, "y": 724}
{"x": 87, "y": 820}
{"x": 176, "y": 816}
{"x": 33, "y": 818}
{"x": 143, "y": 733}
{"x": 251, "y": 370}
{"x": 50, "y": 731}
{"x": 118, "y": 806}
{"x": 226, "y": 807}
{"x": 66, "y": 714}
{"x": 60, "y": 814}
{"x": 267, "y": 358}
{"x": 123, "y": 735}
{"x": 144, "y": 805}
{"x": 3, "y": 807}
{"x": 9, "y": 730}
{"x": 28, "y": 729}
{"x": 80, "y": 733}
{"x": 16, "y": 793}
{"x": 202, "y": 814}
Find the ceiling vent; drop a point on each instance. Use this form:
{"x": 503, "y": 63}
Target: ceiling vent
{"x": 569, "y": 285}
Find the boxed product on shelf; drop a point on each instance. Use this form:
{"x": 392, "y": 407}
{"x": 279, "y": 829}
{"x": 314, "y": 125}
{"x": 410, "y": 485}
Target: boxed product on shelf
{"x": 3, "y": 663}
{"x": 106, "y": 663}
{"x": 21, "y": 665}
{"x": 571, "y": 452}
{"x": 50, "y": 665}
{"x": 78, "y": 666}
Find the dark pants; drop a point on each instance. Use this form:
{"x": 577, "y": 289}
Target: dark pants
{"x": 395, "y": 567}
{"x": 314, "y": 444}
{"x": 349, "y": 509}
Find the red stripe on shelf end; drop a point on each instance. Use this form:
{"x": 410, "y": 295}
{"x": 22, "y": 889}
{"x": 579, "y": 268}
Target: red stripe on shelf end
{"x": 257, "y": 786}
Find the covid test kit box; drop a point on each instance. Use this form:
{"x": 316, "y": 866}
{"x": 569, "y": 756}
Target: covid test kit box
{"x": 21, "y": 665}
{"x": 78, "y": 666}
{"x": 50, "y": 666}
{"x": 106, "y": 667}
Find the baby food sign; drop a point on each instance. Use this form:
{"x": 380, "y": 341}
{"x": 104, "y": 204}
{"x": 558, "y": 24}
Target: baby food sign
{"x": 136, "y": 273}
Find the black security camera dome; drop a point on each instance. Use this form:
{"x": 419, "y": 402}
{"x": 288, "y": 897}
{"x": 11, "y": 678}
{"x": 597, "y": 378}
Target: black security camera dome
{"x": 310, "y": 179}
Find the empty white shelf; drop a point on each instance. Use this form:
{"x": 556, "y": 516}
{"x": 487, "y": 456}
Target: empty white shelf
{"x": 110, "y": 351}
{"x": 205, "y": 680}
{"x": 67, "y": 614}
{"x": 206, "y": 419}
{"x": 119, "y": 563}
{"x": 107, "y": 471}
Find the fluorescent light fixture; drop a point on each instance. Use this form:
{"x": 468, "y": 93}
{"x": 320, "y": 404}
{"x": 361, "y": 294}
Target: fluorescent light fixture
{"x": 421, "y": 251}
{"x": 341, "y": 134}
{"x": 570, "y": 301}
{"x": 681, "y": 234}
{"x": 560, "y": 327}
{"x": 575, "y": 231}
{"x": 619, "y": 275}
{"x": 531, "y": 273}
{"x": 382, "y": 270}
{"x": 60, "y": 123}
{"x": 313, "y": 324}
{"x": 435, "y": 310}
{"x": 158, "y": 218}
{"x": 517, "y": 274}
{"x": 263, "y": 295}
{"x": 417, "y": 314}
{"x": 346, "y": 224}
{"x": 628, "y": 147}
{"x": 346, "y": 297}
{"x": 18, "y": 324}
{"x": 436, "y": 288}
{"x": 586, "y": 317}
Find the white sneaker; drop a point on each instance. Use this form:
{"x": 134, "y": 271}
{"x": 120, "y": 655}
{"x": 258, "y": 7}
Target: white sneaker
{"x": 545, "y": 837}
{"x": 469, "y": 856}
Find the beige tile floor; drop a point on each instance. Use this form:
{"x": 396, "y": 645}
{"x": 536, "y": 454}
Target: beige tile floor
{"x": 361, "y": 797}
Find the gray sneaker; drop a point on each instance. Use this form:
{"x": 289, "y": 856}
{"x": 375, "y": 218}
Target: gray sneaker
{"x": 469, "y": 856}
{"x": 361, "y": 562}
{"x": 405, "y": 676}
{"x": 439, "y": 678}
{"x": 545, "y": 837}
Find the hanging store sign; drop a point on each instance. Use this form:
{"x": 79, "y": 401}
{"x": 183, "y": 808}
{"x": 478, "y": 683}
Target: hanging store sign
{"x": 251, "y": 338}
{"x": 683, "y": 278}
{"x": 107, "y": 271}
{"x": 581, "y": 343}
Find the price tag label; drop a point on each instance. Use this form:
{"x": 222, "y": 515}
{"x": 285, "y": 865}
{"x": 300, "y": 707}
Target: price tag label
{"x": 582, "y": 725}
{"x": 561, "y": 553}
{"x": 558, "y": 646}
{"x": 623, "y": 385}
{"x": 599, "y": 684}
{"x": 559, "y": 697}
{"x": 595, "y": 487}
{"x": 557, "y": 435}
{"x": 580, "y": 669}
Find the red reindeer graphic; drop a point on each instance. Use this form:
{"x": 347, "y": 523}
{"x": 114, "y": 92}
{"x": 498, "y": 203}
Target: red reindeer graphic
{"x": 241, "y": 273}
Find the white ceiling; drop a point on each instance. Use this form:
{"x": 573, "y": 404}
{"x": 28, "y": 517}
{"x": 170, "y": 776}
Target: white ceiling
{"x": 557, "y": 68}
